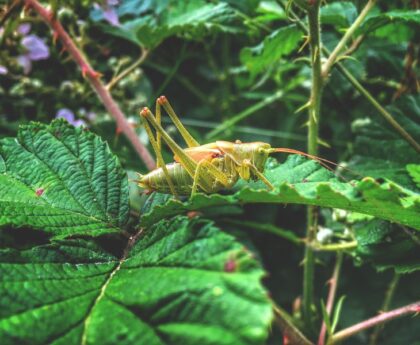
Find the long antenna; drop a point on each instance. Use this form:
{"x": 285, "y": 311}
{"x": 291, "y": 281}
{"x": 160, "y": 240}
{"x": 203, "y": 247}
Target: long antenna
{"x": 321, "y": 161}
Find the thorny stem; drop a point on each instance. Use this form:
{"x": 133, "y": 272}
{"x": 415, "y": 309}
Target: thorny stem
{"x": 94, "y": 79}
{"x": 313, "y": 125}
{"x": 385, "y": 307}
{"x": 345, "y": 72}
{"x": 331, "y": 295}
{"x": 413, "y": 308}
{"x": 349, "y": 33}
{"x": 289, "y": 330}
{"x": 129, "y": 69}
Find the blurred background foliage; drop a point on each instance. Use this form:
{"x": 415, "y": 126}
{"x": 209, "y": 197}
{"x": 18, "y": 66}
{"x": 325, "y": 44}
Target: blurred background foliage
{"x": 239, "y": 70}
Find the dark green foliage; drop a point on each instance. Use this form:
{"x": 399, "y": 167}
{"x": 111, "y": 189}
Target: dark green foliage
{"x": 375, "y": 143}
{"x": 172, "y": 286}
{"x": 62, "y": 180}
{"x": 275, "y": 46}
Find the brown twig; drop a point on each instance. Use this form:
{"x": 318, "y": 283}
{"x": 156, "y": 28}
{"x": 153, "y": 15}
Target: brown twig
{"x": 289, "y": 330}
{"x": 355, "y": 45}
{"x": 331, "y": 295}
{"x": 129, "y": 69}
{"x": 94, "y": 79}
{"x": 413, "y": 308}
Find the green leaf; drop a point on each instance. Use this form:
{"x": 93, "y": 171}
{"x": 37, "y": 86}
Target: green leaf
{"x": 387, "y": 246}
{"x": 190, "y": 19}
{"x": 183, "y": 282}
{"x": 340, "y": 14}
{"x": 337, "y": 312}
{"x": 326, "y": 318}
{"x": 62, "y": 180}
{"x": 276, "y": 45}
{"x": 270, "y": 11}
{"x": 373, "y": 22}
{"x": 302, "y": 181}
{"x": 414, "y": 171}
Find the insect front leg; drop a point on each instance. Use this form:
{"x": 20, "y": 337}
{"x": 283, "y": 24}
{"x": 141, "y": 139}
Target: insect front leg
{"x": 206, "y": 170}
{"x": 196, "y": 178}
{"x": 247, "y": 163}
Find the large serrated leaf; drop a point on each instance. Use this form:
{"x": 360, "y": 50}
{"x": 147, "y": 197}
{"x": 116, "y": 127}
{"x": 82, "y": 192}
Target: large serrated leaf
{"x": 341, "y": 14}
{"x": 63, "y": 180}
{"x": 184, "y": 282}
{"x": 387, "y": 245}
{"x": 300, "y": 181}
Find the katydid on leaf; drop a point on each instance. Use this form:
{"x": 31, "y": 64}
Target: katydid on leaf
{"x": 209, "y": 167}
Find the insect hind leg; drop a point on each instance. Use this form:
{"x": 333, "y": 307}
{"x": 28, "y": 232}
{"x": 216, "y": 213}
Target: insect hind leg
{"x": 188, "y": 138}
{"x": 159, "y": 157}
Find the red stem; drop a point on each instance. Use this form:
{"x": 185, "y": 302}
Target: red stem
{"x": 94, "y": 79}
{"x": 377, "y": 320}
{"x": 331, "y": 296}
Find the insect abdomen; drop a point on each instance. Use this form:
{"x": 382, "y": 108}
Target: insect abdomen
{"x": 156, "y": 180}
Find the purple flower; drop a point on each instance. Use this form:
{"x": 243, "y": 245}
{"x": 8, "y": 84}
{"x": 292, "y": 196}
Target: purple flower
{"x": 109, "y": 11}
{"x": 25, "y": 62}
{"x": 91, "y": 116}
{"x": 24, "y": 29}
{"x": 3, "y": 70}
{"x": 68, "y": 115}
{"x": 35, "y": 48}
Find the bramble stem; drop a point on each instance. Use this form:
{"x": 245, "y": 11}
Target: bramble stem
{"x": 349, "y": 33}
{"x": 331, "y": 295}
{"x": 289, "y": 330}
{"x": 313, "y": 127}
{"x": 413, "y": 308}
{"x": 385, "y": 307}
{"x": 94, "y": 79}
